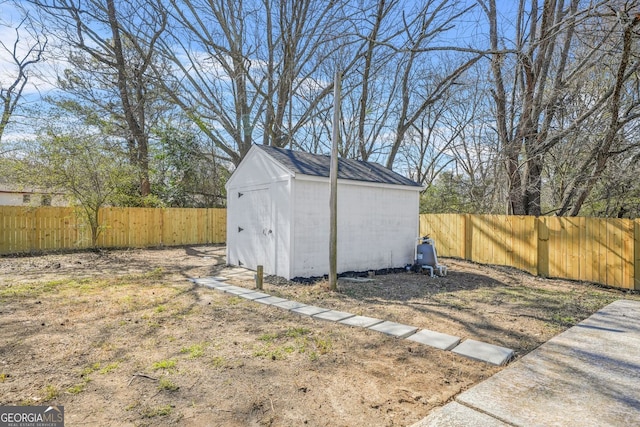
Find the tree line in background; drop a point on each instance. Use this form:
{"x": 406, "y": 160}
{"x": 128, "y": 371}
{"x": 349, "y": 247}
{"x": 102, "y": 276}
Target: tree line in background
{"x": 524, "y": 107}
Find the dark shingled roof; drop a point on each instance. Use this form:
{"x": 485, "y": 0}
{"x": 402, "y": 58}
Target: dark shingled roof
{"x": 318, "y": 165}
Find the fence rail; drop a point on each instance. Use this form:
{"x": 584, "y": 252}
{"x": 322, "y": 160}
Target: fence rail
{"x": 24, "y": 229}
{"x": 605, "y": 251}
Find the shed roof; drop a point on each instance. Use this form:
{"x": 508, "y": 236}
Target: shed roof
{"x": 319, "y": 165}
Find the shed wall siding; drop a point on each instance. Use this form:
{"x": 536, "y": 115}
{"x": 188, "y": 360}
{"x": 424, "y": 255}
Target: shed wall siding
{"x": 281, "y": 192}
{"x": 377, "y": 227}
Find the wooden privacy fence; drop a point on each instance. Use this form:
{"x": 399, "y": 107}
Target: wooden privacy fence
{"x": 605, "y": 251}
{"x": 24, "y": 229}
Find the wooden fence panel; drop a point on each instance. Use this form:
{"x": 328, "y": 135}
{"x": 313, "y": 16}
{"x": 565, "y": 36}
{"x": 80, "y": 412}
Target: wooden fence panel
{"x": 605, "y": 251}
{"x": 57, "y": 228}
{"x": 448, "y": 230}
{"x": 524, "y": 243}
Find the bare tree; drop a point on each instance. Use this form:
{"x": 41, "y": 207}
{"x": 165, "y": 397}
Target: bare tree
{"x": 108, "y": 32}
{"x": 619, "y": 110}
{"x": 534, "y": 80}
{"x": 253, "y": 70}
{"x": 22, "y": 58}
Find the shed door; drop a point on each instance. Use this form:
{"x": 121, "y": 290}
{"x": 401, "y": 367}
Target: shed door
{"x": 255, "y": 234}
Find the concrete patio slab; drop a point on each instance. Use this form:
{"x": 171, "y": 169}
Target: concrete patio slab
{"x": 457, "y": 415}
{"x": 270, "y": 300}
{"x": 361, "y": 321}
{"x": 394, "y": 329}
{"x": 309, "y": 310}
{"x": 435, "y": 339}
{"x": 588, "y": 375}
{"x": 333, "y": 315}
{"x": 254, "y": 295}
{"x": 289, "y": 305}
{"x": 484, "y": 352}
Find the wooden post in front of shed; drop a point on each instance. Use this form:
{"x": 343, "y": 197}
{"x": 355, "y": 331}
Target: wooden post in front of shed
{"x": 333, "y": 182}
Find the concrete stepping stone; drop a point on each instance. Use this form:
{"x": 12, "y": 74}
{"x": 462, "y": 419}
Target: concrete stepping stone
{"x": 203, "y": 282}
{"x": 209, "y": 279}
{"x": 270, "y": 300}
{"x": 235, "y": 290}
{"x": 394, "y": 329}
{"x": 216, "y": 285}
{"x": 361, "y": 321}
{"x": 254, "y": 295}
{"x": 484, "y": 352}
{"x": 289, "y": 305}
{"x": 309, "y": 310}
{"x": 435, "y": 339}
{"x": 333, "y": 315}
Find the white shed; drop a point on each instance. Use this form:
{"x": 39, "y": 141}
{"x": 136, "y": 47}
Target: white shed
{"x": 278, "y": 214}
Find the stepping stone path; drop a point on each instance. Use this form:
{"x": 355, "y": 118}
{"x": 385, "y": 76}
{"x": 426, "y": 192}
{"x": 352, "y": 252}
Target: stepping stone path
{"x": 472, "y": 349}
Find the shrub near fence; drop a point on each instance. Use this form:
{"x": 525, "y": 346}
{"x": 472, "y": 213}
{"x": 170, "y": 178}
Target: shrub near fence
{"x": 605, "y": 251}
{"x": 24, "y": 229}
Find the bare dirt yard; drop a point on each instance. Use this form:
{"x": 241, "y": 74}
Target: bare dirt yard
{"x": 122, "y": 338}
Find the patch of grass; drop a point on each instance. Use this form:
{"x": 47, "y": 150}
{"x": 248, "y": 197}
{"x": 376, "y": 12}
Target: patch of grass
{"x": 563, "y": 319}
{"x": 167, "y": 364}
{"x": 109, "y": 368}
{"x": 131, "y": 406}
{"x": 77, "y": 388}
{"x": 323, "y": 344}
{"x": 31, "y": 289}
{"x": 3, "y": 377}
{"x": 297, "y": 332}
{"x": 50, "y": 392}
{"x": 167, "y": 384}
{"x": 451, "y": 300}
{"x": 156, "y": 273}
{"x": 277, "y": 346}
{"x": 160, "y": 308}
{"x": 219, "y": 362}
{"x": 85, "y": 374}
{"x": 90, "y": 369}
{"x": 274, "y": 352}
{"x": 195, "y": 350}
{"x": 268, "y": 337}
{"x": 159, "y": 411}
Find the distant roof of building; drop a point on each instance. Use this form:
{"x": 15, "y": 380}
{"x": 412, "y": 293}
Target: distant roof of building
{"x": 319, "y": 165}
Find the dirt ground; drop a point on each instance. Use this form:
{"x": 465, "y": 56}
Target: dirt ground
{"x": 122, "y": 338}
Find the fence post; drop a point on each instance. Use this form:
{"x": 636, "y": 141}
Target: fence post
{"x": 467, "y": 232}
{"x": 636, "y": 258}
{"x": 543, "y": 247}
{"x": 259, "y": 276}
